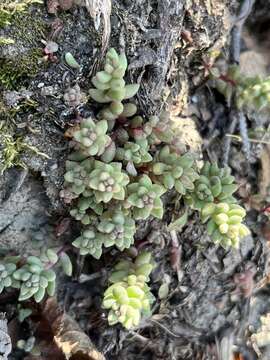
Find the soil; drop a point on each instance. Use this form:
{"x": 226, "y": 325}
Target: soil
{"x": 208, "y": 313}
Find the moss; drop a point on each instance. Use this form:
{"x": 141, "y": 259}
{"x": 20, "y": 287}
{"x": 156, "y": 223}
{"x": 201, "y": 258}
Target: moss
{"x": 6, "y": 41}
{"x": 24, "y": 107}
{"x": 16, "y": 72}
{"x": 9, "y": 9}
{"x": 12, "y": 147}
{"x": 27, "y": 28}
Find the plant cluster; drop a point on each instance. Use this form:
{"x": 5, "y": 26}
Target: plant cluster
{"x": 128, "y": 298}
{"x": 250, "y": 92}
{"x": 33, "y": 276}
{"x": 113, "y": 176}
{"x": 212, "y": 186}
{"x": 175, "y": 171}
{"x": 111, "y": 228}
{"x": 123, "y": 163}
{"x": 225, "y": 223}
{"x": 120, "y": 167}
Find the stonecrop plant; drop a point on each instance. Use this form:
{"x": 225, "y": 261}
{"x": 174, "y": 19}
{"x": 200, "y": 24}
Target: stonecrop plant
{"x": 250, "y": 92}
{"x": 113, "y": 227}
{"x": 224, "y": 223}
{"x": 128, "y": 298}
{"x": 33, "y": 276}
{"x": 213, "y": 185}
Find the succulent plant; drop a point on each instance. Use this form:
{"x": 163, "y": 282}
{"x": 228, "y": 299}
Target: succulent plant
{"x": 76, "y": 176}
{"x": 74, "y": 97}
{"x": 108, "y": 181}
{"x": 135, "y": 152}
{"x": 143, "y": 197}
{"x": 35, "y": 279}
{"x": 159, "y": 129}
{"x": 83, "y": 204}
{"x": 175, "y": 171}
{"x": 107, "y": 202}
{"x": 250, "y": 92}
{"x": 224, "y": 223}
{"x": 6, "y": 271}
{"x": 254, "y": 93}
{"x": 109, "y": 83}
{"x": 156, "y": 130}
{"x": 81, "y": 215}
{"x": 33, "y": 275}
{"x": 117, "y": 228}
{"x": 92, "y": 137}
{"x": 112, "y": 228}
{"x": 129, "y": 297}
{"x": 214, "y": 185}
{"x": 89, "y": 242}
{"x": 117, "y": 110}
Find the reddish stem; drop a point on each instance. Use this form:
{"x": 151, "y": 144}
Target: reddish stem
{"x": 228, "y": 80}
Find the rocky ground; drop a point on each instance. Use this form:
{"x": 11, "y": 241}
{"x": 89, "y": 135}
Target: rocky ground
{"x": 216, "y": 297}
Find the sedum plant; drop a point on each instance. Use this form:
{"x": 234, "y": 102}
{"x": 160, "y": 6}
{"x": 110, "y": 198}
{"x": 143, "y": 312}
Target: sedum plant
{"x": 254, "y": 92}
{"x": 89, "y": 242}
{"x": 224, "y": 223}
{"x": 33, "y": 276}
{"x": 213, "y": 185}
{"x": 117, "y": 164}
{"x": 175, "y": 171}
{"x": 76, "y": 176}
{"x": 112, "y": 228}
{"x": 128, "y": 298}
{"x": 110, "y": 87}
{"x": 7, "y": 269}
{"x": 135, "y": 152}
{"x": 83, "y": 206}
{"x": 123, "y": 164}
{"x": 108, "y": 181}
{"x": 117, "y": 229}
{"x": 159, "y": 129}
{"x": 92, "y": 137}
{"x": 250, "y": 92}
{"x": 35, "y": 280}
{"x": 143, "y": 197}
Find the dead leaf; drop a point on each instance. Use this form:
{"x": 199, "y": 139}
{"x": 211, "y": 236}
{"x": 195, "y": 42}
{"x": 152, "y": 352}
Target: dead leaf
{"x": 68, "y": 336}
{"x": 175, "y": 255}
{"x": 62, "y": 227}
{"x": 69, "y": 133}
